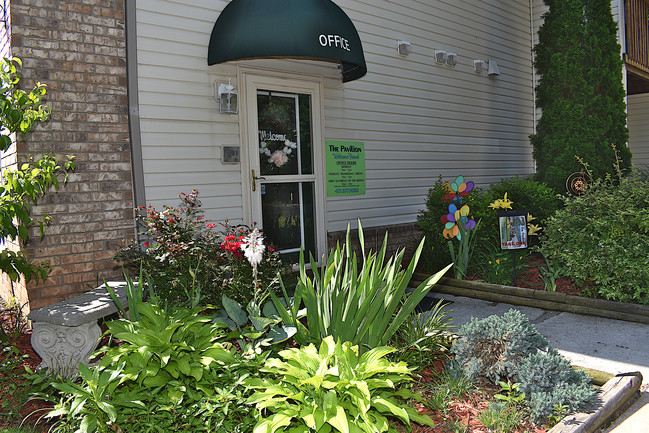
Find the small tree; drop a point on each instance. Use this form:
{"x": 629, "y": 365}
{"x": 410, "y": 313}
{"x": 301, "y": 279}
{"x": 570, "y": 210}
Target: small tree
{"x": 580, "y": 91}
{"x": 21, "y": 188}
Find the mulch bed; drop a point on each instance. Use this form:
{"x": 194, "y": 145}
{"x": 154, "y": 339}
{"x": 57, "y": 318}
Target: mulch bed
{"x": 530, "y": 278}
{"x": 464, "y": 411}
{"x": 16, "y": 409}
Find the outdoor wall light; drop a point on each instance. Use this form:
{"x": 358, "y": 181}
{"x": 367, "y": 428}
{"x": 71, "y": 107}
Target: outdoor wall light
{"x": 451, "y": 59}
{"x": 227, "y": 98}
{"x": 440, "y": 56}
{"x": 493, "y": 68}
{"x": 479, "y": 65}
{"x": 404, "y": 48}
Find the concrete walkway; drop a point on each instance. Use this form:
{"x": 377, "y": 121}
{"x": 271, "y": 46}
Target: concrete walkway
{"x": 608, "y": 345}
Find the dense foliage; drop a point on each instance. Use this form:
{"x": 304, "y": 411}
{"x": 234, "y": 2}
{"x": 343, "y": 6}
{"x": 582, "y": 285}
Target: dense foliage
{"x": 510, "y": 348}
{"x": 20, "y": 188}
{"x": 488, "y": 260}
{"x": 363, "y": 305}
{"x": 601, "y": 239}
{"x": 580, "y": 91}
{"x": 332, "y": 388}
{"x": 173, "y": 372}
{"x": 186, "y": 257}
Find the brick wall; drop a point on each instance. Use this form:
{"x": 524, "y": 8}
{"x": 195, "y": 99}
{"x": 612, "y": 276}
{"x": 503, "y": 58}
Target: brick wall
{"x": 400, "y": 236}
{"x": 78, "y": 49}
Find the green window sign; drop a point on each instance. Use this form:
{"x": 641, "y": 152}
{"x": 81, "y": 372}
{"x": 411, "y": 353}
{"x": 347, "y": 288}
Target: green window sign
{"x": 345, "y": 168}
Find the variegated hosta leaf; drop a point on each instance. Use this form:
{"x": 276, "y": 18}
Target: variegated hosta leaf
{"x": 310, "y": 380}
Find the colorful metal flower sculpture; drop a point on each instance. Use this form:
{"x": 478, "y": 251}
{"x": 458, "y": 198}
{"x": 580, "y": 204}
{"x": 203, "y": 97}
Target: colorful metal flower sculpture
{"x": 455, "y": 217}
{"x": 457, "y": 189}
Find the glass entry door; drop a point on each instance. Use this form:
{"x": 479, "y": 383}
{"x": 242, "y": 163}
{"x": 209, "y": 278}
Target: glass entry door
{"x": 284, "y": 179}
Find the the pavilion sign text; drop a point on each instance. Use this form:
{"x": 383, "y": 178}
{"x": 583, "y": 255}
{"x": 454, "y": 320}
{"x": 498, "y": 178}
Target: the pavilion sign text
{"x": 345, "y": 161}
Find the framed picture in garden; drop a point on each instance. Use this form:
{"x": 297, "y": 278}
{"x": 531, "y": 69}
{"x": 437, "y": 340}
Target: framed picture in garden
{"x": 513, "y": 230}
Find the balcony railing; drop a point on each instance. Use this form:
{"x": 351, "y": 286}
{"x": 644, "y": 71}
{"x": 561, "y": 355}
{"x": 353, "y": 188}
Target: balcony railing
{"x": 637, "y": 35}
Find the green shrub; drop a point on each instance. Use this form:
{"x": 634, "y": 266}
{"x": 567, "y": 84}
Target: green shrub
{"x": 186, "y": 258}
{"x": 170, "y": 374}
{"x": 601, "y": 239}
{"x": 423, "y": 337}
{"x": 534, "y": 197}
{"x": 510, "y": 348}
{"x": 332, "y": 389}
{"x": 492, "y": 347}
{"x": 550, "y": 382}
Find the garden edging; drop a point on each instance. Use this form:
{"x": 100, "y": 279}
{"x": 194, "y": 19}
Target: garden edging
{"x": 539, "y": 299}
{"x": 613, "y": 395}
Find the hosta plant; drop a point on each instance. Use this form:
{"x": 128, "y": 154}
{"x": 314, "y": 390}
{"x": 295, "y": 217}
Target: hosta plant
{"x": 171, "y": 373}
{"x": 254, "y": 328}
{"x": 332, "y": 389}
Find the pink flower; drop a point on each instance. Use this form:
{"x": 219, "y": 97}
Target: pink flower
{"x": 279, "y": 158}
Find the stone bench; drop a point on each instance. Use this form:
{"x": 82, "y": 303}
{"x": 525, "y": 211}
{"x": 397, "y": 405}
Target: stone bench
{"x": 66, "y": 333}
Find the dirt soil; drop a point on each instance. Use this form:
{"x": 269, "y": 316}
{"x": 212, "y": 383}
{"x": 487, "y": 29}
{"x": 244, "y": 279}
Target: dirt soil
{"x": 530, "y": 277}
{"x": 14, "y": 389}
{"x": 464, "y": 411}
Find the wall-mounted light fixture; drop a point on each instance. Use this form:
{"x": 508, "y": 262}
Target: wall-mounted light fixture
{"x": 493, "y": 68}
{"x": 404, "y": 48}
{"x": 227, "y": 97}
{"x": 451, "y": 59}
{"x": 440, "y": 56}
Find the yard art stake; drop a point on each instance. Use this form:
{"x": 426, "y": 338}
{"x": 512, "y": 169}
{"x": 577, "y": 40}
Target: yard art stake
{"x": 457, "y": 224}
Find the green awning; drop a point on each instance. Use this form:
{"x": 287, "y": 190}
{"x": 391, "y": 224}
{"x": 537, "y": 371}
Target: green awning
{"x": 302, "y": 29}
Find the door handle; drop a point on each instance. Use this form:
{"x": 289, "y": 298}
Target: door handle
{"x": 255, "y": 179}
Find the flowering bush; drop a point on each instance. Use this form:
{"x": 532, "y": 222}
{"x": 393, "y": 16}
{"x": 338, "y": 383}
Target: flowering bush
{"x": 187, "y": 258}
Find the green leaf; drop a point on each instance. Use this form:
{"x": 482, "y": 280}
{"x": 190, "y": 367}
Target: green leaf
{"x": 5, "y": 142}
{"x": 386, "y": 406}
{"x": 273, "y": 423}
{"x": 419, "y": 418}
{"x": 261, "y": 323}
{"x": 339, "y": 421}
{"x": 108, "y": 409}
{"x": 235, "y": 311}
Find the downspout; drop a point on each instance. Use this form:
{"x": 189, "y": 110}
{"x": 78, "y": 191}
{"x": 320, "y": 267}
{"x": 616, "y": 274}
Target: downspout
{"x": 137, "y": 168}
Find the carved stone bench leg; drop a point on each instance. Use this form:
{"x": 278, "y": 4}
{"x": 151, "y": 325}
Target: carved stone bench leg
{"x": 62, "y": 348}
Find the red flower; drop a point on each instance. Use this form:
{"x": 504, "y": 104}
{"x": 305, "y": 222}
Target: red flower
{"x": 232, "y": 244}
{"x": 146, "y": 244}
{"x": 210, "y": 226}
{"x": 171, "y": 220}
{"x": 271, "y": 249}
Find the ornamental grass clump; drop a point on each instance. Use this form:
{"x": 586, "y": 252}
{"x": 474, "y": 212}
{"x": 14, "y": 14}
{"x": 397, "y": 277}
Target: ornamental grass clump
{"x": 364, "y": 305}
{"x": 509, "y": 348}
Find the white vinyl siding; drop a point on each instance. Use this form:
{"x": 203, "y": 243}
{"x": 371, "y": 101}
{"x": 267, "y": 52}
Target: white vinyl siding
{"x": 639, "y": 129}
{"x": 418, "y": 119}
